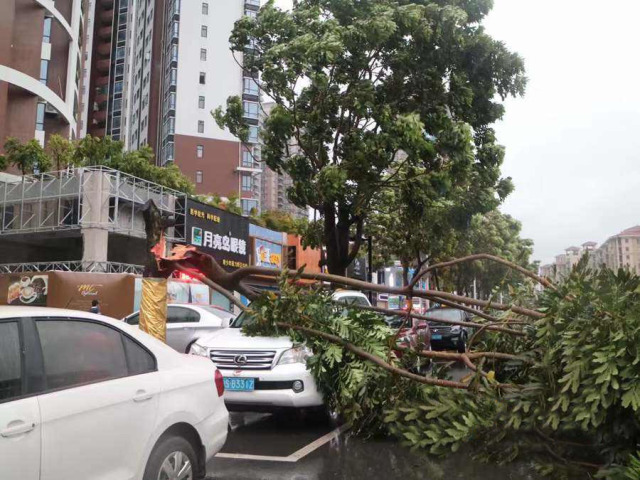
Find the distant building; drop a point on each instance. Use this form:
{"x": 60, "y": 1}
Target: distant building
{"x": 275, "y": 185}
{"x": 620, "y": 251}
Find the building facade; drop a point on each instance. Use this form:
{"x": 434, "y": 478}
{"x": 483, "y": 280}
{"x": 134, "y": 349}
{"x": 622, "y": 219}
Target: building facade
{"x": 41, "y": 61}
{"x": 182, "y": 69}
{"x": 620, "y": 251}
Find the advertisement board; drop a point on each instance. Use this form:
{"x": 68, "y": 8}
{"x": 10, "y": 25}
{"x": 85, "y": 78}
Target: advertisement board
{"x": 28, "y": 289}
{"x": 267, "y": 254}
{"x": 218, "y": 233}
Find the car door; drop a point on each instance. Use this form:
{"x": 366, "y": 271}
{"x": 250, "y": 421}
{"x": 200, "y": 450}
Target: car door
{"x": 100, "y": 403}
{"x": 20, "y": 426}
{"x": 182, "y": 323}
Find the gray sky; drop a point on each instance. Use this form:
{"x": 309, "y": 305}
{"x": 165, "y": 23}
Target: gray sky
{"x": 573, "y": 141}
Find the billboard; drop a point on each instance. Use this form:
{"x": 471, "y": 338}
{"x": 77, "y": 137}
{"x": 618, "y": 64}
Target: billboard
{"x": 267, "y": 254}
{"x": 218, "y": 233}
{"x": 28, "y": 290}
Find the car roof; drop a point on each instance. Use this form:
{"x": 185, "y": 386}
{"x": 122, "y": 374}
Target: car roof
{"x": 348, "y": 293}
{"x": 11, "y": 311}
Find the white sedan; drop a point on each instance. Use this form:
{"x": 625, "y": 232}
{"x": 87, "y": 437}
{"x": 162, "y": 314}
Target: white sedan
{"x": 186, "y": 323}
{"x": 87, "y": 397}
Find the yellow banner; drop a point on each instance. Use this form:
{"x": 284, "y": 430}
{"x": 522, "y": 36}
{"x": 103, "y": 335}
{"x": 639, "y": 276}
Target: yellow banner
{"x": 153, "y": 307}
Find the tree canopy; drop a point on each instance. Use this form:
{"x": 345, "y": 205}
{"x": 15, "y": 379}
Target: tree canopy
{"x": 357, "y": 84}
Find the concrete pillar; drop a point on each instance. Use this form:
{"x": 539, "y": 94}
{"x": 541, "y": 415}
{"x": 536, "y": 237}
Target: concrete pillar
{"x": 94, "y": 215}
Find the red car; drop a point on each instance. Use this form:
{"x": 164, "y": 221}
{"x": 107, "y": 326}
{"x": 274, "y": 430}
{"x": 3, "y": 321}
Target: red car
{"x": 416, "y": 336}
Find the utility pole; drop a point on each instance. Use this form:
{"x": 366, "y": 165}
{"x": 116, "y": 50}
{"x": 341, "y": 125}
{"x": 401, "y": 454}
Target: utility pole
{"x": 370, "y": 258}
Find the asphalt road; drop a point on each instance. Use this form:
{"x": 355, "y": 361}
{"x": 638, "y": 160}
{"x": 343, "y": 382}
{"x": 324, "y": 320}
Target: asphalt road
{"x": 282, "y": 447}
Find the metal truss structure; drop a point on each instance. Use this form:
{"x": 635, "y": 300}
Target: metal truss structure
{"x": 72, "y": 266}
{"x": 86, "y": 197}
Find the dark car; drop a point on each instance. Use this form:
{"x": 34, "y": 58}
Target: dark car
{"x": 446, "y": 336}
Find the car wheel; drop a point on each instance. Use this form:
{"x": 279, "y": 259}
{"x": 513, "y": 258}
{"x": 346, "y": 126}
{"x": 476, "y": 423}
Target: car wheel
{"x": 172, "y": 458}
{"x": 462, "y": 343}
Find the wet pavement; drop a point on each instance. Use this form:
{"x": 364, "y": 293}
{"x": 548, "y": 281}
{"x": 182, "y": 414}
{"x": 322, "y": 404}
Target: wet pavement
{"x": 295, "y": 448}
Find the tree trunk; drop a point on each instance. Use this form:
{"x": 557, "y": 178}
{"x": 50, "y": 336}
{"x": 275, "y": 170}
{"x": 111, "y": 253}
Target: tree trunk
{"x": 337, "y": 238}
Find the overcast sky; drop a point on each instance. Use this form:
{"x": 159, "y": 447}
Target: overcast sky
{"x": 573, "y": 141}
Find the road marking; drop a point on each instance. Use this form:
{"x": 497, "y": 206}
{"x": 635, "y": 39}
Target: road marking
{"x": 294, "y": 457}
{"x": 304, "y": 451}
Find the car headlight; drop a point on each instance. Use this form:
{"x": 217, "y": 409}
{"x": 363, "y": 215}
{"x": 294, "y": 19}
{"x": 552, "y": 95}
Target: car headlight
{"x": 455, "y": 329}
{"x": 295, "y": 355}
{"x": 198, "y": 350}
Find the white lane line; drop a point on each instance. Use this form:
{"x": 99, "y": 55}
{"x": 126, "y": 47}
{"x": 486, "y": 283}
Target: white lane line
{"x": 261, "y": 458}
{"x": 294, "y": 457}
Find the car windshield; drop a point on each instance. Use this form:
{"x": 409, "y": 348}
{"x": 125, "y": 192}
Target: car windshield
{"x": 243, "y": 319}
{"x": 444, "y": 314}
{"x": 355, "y": 300}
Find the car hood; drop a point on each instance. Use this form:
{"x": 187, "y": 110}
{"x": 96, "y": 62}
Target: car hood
{"x": 234, "y": 339}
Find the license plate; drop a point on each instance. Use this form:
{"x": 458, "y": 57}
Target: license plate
{"x": 239, "y": 384}
{"x": 436, "y": 337}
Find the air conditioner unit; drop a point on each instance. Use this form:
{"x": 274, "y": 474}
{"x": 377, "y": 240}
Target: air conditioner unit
{"x": 48, "y": 108}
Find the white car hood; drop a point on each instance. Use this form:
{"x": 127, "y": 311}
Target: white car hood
{"x": 234, "y": 339}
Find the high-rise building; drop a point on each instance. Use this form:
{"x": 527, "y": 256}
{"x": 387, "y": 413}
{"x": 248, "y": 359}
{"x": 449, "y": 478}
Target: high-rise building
{"x": 182, "y": 69}
{"x": 41, "y": 62}
{"x": 275, "y": 185}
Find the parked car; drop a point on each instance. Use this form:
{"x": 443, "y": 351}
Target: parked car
{"x": 186, "y": 323}
{"x": 84, "y": 396}
{"x": 265, "y": 373}
{"x": 446, "y": 336}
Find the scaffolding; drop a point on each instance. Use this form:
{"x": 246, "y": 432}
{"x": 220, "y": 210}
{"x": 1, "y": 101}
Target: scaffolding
{"x": 72, "y": 266}
{"x": 85, "y": 197}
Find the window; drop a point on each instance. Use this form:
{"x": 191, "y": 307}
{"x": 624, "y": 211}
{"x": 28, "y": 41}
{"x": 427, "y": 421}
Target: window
{"x": 250, "y": 87}
{"x": 250, "y": 110}
{"x": 203, "y": 31}
{"x": 40, "y": 116}
{"x": 203, "y": 54}
{"x": 200, "y": 126}
{"x": 251, "y": 13}
{"x": 139, "y": 361}
{"x": 255, "y": 3}
{"x": 249, "y": 206}
{"x": 199, "y": 176}
{"x": 10, "y": 362}
{"x": 200, "y": 151}
{"x": 182, "y": 315}
{"x": 117, "y": 88}
{"x": 77, "y": 352}
{"x": 44, "y": 71}
{"x": 247, "y": 183}
{"x": 253, "y": 134}
{"x": 46, "y": 32}
{"x": 201, "y": 102}
{"x": 247, "y": 159}
{"x": 205, "y": 9}
{"x": 203, "y": 78}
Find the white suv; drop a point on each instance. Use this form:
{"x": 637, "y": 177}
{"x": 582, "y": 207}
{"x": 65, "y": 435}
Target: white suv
{"x": 84, "y": 396}
{"x": 265, "y": 373}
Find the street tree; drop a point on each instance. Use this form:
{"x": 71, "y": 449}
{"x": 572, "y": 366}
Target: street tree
{"x": 61, "y": 152}
{"x": 496, "y": 234}
{"x": 28, "y": 157}
{"x": 355, "y": 83}
{"x": 421, "y": 214}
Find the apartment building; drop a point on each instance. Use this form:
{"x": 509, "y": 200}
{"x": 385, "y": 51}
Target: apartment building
{"x": 620, "y": 251}
{"x": 182, "y": 69}
{"x": 275, "y": 185}
{"x": 41, "y": 61}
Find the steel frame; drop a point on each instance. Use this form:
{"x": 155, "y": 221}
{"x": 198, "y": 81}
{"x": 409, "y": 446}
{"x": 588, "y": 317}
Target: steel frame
{"x": 72, "y": 266}
{"x": 69, "y": 191}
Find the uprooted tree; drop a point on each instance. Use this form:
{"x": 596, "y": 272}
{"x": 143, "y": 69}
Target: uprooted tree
{"x": 554, "y": 377}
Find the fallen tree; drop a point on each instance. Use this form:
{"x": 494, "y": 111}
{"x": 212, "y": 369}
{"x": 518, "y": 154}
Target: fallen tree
{"x": 556, "y": 380}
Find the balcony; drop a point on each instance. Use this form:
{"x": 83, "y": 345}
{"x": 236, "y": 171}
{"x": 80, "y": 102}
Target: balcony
{"x": 100, "y": 116}
{"x": 101, "y": 98}
{"x": 105, "y": 32}
{"x": 103, "y": 65}
{"x": 102, "y": 81}
{"x": 97, "y": 131}
{"x": 106, "y": 4}
{"x": 106, "y": 17}
{"x": 104, "y": 49}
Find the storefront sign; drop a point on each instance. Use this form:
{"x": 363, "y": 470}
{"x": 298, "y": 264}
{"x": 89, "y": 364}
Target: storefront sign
{"x": 267, "y": 254}
{"x": 218, "y": 233}
{"x": 358, "y": 269}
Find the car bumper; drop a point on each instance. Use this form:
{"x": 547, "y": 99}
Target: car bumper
{"x": 273, "y": 389}
{"x": 213, "y": 431}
